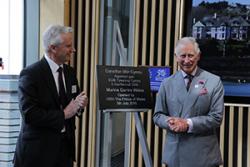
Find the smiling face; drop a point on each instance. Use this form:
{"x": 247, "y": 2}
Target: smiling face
{"x": 187, "y": 57}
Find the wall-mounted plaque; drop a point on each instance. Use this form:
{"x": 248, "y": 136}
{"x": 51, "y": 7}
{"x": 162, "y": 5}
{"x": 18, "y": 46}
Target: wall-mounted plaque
{"x": 123, "y": 88}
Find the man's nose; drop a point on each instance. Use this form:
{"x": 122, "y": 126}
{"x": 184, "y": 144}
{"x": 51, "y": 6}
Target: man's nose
{"x": 186, "y": 59}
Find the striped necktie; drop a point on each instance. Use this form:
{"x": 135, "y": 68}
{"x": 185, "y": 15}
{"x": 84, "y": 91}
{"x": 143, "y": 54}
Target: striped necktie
{"x": 189, "y": 78}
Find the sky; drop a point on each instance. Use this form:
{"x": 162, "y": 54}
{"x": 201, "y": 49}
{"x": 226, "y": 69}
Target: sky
{"x": 246, "y": 2}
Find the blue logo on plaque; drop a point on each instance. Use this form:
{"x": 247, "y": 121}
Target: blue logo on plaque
{"x": 157, "y": 75}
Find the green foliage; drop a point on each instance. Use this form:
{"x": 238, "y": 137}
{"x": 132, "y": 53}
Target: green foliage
{"x": 222, "y": 8}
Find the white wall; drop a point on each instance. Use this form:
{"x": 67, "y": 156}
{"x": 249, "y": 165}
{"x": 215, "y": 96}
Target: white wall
{"x": 51, "y": 12}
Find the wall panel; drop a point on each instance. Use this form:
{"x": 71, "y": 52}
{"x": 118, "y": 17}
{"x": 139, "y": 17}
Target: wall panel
{"x": 162, "y": 25}
{"x": 158, "y": 25}
{"x": 154, "y": 37}
{"x": 84, "y": 17}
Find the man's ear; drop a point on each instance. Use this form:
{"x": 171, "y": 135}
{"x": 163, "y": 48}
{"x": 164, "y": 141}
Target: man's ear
{"x": 199, "y": 56}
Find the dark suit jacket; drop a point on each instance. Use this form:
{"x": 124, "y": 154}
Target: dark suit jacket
{"x": 42, "y": 119}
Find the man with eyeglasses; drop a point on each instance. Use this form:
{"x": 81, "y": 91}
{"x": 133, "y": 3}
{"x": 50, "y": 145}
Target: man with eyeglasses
{"x": 190, "y": 107}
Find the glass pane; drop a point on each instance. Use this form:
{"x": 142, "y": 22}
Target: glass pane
{"x": 11, "y": 44}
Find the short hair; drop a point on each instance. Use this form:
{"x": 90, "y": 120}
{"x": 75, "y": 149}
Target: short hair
{"x": 184, "y": 41}
{"x": 52, "y": 35}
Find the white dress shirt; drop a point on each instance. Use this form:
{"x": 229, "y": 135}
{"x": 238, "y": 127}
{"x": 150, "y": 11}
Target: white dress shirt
{"x": 54, "y": 67}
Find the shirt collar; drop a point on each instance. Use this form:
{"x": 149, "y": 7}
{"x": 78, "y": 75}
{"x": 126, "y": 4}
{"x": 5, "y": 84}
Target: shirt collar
{"x": 53, "y": 66}
{"x": 193, "y": 73}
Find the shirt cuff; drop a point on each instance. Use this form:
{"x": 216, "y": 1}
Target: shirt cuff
{"x": 190, "y": 125}
{"x": 79, "y": 112}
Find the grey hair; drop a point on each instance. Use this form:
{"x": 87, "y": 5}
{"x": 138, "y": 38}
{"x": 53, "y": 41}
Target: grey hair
{"x": 52, "y": 35}
{"x": 184, "y": 41}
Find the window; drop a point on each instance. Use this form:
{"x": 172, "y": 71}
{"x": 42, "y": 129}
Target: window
{"x": 11, "y": 43}
{"x": 226, "y": 54}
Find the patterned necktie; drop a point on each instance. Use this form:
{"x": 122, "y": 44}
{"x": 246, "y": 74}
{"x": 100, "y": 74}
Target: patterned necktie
{"x": 62, "y": 93}
{"x": 189, "y": 78}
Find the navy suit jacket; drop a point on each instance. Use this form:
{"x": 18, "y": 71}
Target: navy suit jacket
{"x": 42, "y": 118}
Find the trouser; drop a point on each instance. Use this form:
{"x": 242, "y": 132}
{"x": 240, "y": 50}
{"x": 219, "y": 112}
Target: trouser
{"x": 64, "y": 158}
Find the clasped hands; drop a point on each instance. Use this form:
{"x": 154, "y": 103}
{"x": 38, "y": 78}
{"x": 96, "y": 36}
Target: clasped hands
{"x": 79, "y": 102}
{"x": 177, "y": 124}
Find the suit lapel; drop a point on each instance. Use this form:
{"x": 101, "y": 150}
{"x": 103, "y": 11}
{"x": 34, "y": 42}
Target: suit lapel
{"x": 181, "y": 92}
{"x": 180, "y": 88}
{"x": 49, "y": 79}
{"x": 193, "y": 93}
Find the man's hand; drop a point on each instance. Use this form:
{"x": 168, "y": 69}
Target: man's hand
{"x": 177, "y": 124}
{"x": 82, "y": 100}
{"x": 72, "y": 108}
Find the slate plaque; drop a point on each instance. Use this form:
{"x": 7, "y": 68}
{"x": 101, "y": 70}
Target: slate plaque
{"x": 123, "y": 88}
